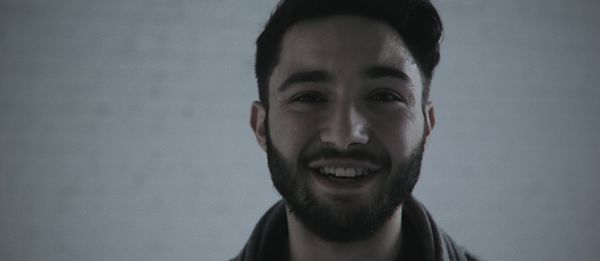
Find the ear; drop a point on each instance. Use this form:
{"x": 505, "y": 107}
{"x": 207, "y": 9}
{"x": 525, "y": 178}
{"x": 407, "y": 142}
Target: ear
{"x": 429, "y": 120}
{"x": 257, "y": 123}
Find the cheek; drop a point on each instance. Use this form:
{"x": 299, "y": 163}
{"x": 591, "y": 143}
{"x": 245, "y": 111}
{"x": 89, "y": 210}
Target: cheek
{"x": 290, "y": 134}
{"x": 399, "y": 133}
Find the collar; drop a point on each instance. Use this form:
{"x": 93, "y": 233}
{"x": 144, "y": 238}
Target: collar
{"x": 422, "y": 240}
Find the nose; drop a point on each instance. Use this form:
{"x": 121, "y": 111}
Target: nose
{"x": 344, "y": 126}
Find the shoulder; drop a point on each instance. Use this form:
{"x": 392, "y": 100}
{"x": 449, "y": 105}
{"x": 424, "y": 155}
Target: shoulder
{"x": 435, "y": 240}
{"x": 454, "y": 251}
{"x": 268, "y": 240}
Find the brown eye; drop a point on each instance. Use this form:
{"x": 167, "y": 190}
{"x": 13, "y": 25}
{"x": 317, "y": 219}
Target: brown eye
{"x": 385, "y": 97}
{"x": 309, "y": 98}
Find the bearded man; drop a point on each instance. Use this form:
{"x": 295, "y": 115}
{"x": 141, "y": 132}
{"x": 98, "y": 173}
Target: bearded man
{"x": 344, "y": 116}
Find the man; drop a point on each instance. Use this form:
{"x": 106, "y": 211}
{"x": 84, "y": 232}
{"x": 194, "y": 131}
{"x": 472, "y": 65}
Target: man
{"x": 344, "y": 116}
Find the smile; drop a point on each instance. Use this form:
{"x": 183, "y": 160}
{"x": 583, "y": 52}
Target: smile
{"x": 342, "y": 180}
{"x": 343, "y": 169}
{"x": 342, "y": 172}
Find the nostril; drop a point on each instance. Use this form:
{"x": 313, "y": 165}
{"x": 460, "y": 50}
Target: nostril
{"x": 344, "y": 126}
{"x": 343, "y": 138}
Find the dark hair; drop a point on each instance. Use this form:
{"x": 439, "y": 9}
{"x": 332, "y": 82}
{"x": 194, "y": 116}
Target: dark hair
{"x": 416, "y": 21}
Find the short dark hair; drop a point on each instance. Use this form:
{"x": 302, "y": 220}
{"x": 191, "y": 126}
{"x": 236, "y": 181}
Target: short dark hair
{"x": 416, "y": 21}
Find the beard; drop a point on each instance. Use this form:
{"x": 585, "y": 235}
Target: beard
{"x": 347, "y": 221}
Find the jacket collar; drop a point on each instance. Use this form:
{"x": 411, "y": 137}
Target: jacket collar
{"x": 421, "y": 238}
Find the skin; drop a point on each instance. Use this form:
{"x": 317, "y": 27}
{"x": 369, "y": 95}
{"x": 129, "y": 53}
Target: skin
{"x": 345, "y": 103}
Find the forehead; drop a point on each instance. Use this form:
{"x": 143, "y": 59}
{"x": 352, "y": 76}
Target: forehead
{"x": 340, "y": 38}
{"x": 343, "y": 47}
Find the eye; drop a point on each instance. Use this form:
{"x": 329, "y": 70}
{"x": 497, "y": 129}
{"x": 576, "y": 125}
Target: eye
{"x": 385, "y": 96}
{"x": 309, "y": 97}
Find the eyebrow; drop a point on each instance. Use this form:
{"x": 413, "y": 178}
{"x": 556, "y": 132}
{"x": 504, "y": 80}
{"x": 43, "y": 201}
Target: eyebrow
{"x": 315, "y": 76}
{"x": 319, "y": 76}
{"x": 385, "y": 71}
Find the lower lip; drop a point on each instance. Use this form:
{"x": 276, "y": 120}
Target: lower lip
{"x": 333, "y": 186}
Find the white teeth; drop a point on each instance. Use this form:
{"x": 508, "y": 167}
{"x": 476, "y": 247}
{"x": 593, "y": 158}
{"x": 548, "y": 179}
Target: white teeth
{"x": 343, "y": 172}
{"x": 350, "y": 172}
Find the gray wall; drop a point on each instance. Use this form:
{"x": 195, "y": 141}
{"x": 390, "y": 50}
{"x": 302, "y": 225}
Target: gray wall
{"x": 124, "y": 129}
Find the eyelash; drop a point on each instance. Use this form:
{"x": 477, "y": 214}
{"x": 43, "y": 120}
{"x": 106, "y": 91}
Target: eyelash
{"x": 313, "y": 96}
{"x": 389, "y": 96}
{"x": 379, "y": 96}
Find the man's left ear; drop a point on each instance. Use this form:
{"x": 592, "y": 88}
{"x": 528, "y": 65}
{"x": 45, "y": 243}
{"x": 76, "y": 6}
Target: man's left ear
{"x": 429, "y": 119}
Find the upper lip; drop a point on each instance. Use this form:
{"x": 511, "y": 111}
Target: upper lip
{"x": 344, "y": 163}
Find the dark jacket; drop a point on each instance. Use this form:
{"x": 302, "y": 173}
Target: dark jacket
{"x": 422, "y": 240}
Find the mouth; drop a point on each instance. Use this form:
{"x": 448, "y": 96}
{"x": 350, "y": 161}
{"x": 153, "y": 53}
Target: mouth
{"x": 342, "y": 182}
{"x": 342, "y": 177}
{"x": 344, "y": 169}
{"x": 343, "y": 173}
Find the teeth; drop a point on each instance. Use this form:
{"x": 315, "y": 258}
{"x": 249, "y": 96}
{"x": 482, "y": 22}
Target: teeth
{"x": 350, "y": 172}
{"x": 343, "y": 172}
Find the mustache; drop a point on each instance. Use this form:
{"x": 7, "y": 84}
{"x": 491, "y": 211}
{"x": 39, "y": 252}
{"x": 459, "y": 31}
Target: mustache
{"x": 355, "y": 153}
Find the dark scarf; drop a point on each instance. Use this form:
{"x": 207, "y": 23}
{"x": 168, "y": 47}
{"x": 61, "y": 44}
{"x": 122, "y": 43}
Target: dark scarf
{"x": 422, "y": 240}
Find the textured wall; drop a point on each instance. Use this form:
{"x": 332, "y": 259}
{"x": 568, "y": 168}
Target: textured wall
{"x": 124, "y": 129}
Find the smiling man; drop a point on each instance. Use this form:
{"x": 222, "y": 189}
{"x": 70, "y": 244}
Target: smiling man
{"x": 344, "y": 116}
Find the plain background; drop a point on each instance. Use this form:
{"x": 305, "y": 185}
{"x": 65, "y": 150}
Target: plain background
{"x": 124, "y": 129}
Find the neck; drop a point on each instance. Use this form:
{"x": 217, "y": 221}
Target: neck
{"x": 384, "y": 245}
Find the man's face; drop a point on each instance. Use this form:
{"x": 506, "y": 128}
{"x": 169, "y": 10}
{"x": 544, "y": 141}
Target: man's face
{"x": 346, "y": 126}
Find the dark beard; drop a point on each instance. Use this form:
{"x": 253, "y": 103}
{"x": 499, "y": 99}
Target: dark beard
{"x": 332, "y": 222}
